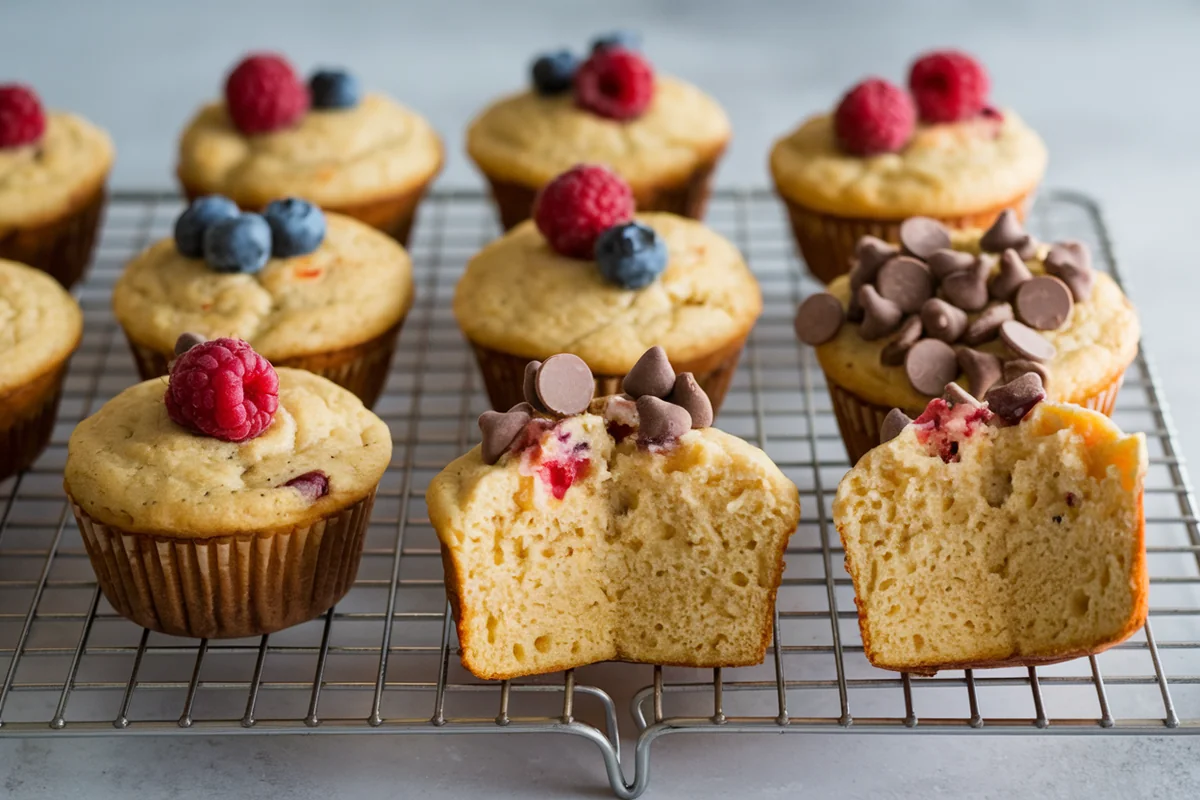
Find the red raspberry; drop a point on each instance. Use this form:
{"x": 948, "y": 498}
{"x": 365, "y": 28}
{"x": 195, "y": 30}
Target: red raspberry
{"x": 264, "y": 94}
{"x": 948, "y": 85}
{"x": 22, "y": 120}
{"x": 223, "y": 389}
{"x": 874, "y": 117}
{"x": 573, "y": 210}
{"x": 615, "y": 83}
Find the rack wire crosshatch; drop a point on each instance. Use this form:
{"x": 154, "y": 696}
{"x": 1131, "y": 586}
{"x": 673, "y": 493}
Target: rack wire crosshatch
{"x": 385, "y": 660}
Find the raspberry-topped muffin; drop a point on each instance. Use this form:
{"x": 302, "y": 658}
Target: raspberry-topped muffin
{"x": 620, "y": 527}
{"x": 252, "y": 493}
{"x": 663, "y": 136}
{"x": 357, "y": 153}
{"x": 53, "y": 167}
{"x": 310, "y": 290}
{"x": 939, "y": 150}
{"x": 587, "y": 276}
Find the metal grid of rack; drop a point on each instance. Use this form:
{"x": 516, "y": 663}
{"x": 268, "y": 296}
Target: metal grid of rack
{"x": 385, "y": 659}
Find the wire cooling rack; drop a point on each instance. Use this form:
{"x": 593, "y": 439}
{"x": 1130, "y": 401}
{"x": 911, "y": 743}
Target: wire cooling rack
{"x": 385, "y": 660}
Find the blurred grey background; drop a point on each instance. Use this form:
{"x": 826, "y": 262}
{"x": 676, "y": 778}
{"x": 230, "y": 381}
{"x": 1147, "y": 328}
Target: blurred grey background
{"x": 1111, "y": 86}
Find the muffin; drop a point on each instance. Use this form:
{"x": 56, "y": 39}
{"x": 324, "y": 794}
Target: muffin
{"x": 968, "y": 307}
{"x": 979, "y": 539}
{"x": 53, "y": 168}
{"x": 40, "y": 326}
{"x": 885, "y": 155}
{"x": 352, "y": 152}
{"x": 655, "y": 279}
{"x": 310, "y": 290}
{"x": 251, "y": 499}
{"x": 660, "y": 134}
{"x": 622, "y": 528}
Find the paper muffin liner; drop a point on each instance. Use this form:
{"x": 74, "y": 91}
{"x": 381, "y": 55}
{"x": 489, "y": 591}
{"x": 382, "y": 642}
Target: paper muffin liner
{"x": 860, "y": 421}
{"x": 514, "y": 201}
{"x": 61, "y": 247}
{"x": 226, "y": 587}
{"x": 827, "y": 241}
{"x": 362, "y": 369}
{"x": 27, "y": 417}
{"x": 504, "y": 374}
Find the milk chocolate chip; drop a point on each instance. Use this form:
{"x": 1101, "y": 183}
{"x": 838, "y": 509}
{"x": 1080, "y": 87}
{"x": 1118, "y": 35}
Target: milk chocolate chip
{"x": 906, "y": 282}
{"x": 1026, "y": 342}
{"x": 895, "y": 422}
{"x": 871, "y": 253}
{"x": 983, "y": 370}
{"x": 944, "y": 262}
{"x": 986, "y": 326}
{"x": 1071, "y": 263}
{"x": 894, "y": 351}
{"x": 930, "y": 365}
{"x": 187, "y": 341}
{"x": 651, "y": 375}
{"x": 688, "y": 395}
{"x": 942, "y": 320}
{"x": 956, "y": 395}
{"x": 1012, "y": 274}
{"x": 1043, "y": 303}
{"x": 1007, "y": 232}
{"x": 529, "y": 389}
{"x": 1013, "y": 400}
{"x": 880, "y": 315}
{"x": 499, "y": 430}
{"x": 660, "y": 422}
{"x": 968, "y": 288}
{"x": 922, "y": 236}
{"x": 1019, "y": 366}
{"x": 819, "y": 318}
{"x": 564, "y": 384}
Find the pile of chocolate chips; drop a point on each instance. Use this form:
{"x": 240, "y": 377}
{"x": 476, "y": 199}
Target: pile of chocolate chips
{"x": 929, "y": 298}
{"x": 561, "y": 386}
{"x": 668, "y": 405}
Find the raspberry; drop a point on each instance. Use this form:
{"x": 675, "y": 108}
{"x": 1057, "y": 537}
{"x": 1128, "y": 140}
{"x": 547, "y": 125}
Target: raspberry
{"x": 874, "y": 117}
{"x": 264, "y": 94}
{"x": 573, "y": 210}
{"x": 615, "y": 83}
{"x": 22, "y": 120}
{"x": 948, "y": 86}
{"x": 223, "y": 389}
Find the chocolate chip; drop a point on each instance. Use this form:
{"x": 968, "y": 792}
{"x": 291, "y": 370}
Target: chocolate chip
{"x": 1027, "y": 248}
{"x": 530, "y": 387}
{"x": 1071, "y": 262}
{"x": 660, "y": 422}
{"x": 652, "y": 375}
{"x": 870, "y": 253}
{"x": 1043, "y": 303}
{"x": 524, "y": 408}
{"x": 1019, "y": 366}
{"x": 894, "y": 351}
{"x": 688, "y": 395}
{"x": 499, "y": 429}
{"x": 922, "y": 236}
{"x": 895, "y": 422}
{"x": 1026, "y": 342}
{"x": 819, "y": 318}
{"x": 986, "y": 326}
{"x": 930, "y": 365}
{"x": 968, "y": 288}
{"x": 1013, "y": 400}
{"x": 906, "y": 282}
{"x": 1007, "y": 231}
{"x": 956, "y": 395}
{"x": 187, "y": 341}
{"x": 564, "y": 384}
{"x": 880, "y": 315}
{"x": 854, "y": 309}
{"x": 944, "y": 262}
{"x": 983, "y": 370}
{"x": 942, "y": 320}
{"x": 312, "y": 485}
{"x": 1012, "y": 274}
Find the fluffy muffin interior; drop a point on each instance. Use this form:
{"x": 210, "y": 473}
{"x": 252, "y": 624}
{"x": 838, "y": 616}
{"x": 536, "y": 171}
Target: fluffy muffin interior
{"x": 1029, "y": 548}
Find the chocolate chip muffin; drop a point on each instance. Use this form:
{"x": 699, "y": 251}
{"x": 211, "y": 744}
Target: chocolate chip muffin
{"x": 976, "y": 307}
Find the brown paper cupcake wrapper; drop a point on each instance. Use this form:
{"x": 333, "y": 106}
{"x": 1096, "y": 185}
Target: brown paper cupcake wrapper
{"x": 27, "y": 420}
{"x": 362, "y": 369}
{"x": 514, "y": 201}
{"x": 62, "y": 247}
{"x": 227, "y": 586}
{"x": 860, "y": 421}
{"x": 504, "y": 375}
{"x": 827, "y": 242}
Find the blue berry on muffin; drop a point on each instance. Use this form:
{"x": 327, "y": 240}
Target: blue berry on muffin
{"x": 240, "y": 244}
{"x": 553, "y": 73}
{"x": 297, "y": 227}
{"x": 197, "y": 218}
{"x": 334, "y": 89}
{"x": 631, "y": 255}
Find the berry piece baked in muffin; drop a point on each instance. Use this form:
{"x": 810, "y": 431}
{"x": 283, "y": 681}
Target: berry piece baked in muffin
{"x": 997, "y": 533}
{"x": 623, "y": 527}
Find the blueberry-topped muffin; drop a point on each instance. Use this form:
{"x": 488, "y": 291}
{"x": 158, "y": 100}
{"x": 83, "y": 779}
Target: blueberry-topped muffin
{"x": 586, "y": 528}
{"x": 590, "y": 277}
{"x": 308, "y": 289}
{"x": 939, "y": 149}
{"x": 252, "y": 493}
{"x": 329, "y": 141}
{"x": 53, "y": 168}
{"x": 663, "y": 136}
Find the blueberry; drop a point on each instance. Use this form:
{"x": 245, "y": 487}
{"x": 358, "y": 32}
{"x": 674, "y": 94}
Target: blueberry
{"x": 334, "y": 88}
{"x": 554, "y": 72}
{"x": 629, "y": 40}
{"x": 241, "y": 244}
{"x": 196, "y": 219}
{"x": 631, "y": 255}
{"x": 297, "y": 227}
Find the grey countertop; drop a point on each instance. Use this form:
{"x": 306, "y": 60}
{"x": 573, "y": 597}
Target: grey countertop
{"x": 1111, "y": 87}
